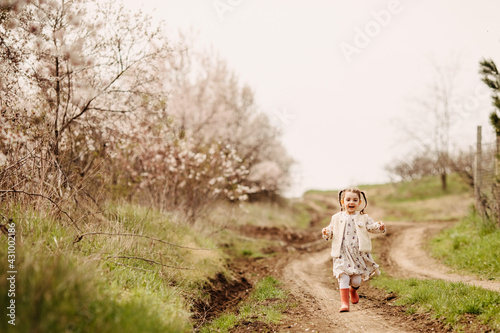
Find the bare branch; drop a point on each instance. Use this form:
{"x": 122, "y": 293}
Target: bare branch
{"x": 45, "y": 197}
{"x": 18, "y": 161}
{"x": 139, "y": 268}
{"x": 150, "y": 261}
{"x": 79, "y": 238}
{"x": 110, "y": 110}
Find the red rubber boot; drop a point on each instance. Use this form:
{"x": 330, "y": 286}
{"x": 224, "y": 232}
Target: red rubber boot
{"x": 344, "y": 299}
{"x": 353, "y": 293}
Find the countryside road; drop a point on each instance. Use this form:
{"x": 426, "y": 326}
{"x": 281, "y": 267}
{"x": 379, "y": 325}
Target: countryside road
{"x": 309, "y": 278}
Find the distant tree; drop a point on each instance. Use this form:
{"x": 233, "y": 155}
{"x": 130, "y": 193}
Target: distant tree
{"x": 412, "y": 168}
{"x": 491, "y": 77}
{"x": 422, "y": 165}
{"x": 429, "y": 126}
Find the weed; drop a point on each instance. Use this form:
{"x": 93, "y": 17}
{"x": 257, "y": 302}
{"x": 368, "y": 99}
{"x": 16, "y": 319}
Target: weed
{"x": 448, "y": 301}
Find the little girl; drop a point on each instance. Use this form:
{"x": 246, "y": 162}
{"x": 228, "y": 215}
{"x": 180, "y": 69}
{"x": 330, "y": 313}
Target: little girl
{"x": 351, "y": 245}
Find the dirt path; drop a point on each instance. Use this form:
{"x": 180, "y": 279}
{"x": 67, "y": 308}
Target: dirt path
{"x": 406, "y": 256}
{"x": 308, "y": 277}
{"x": 304, "y": 265}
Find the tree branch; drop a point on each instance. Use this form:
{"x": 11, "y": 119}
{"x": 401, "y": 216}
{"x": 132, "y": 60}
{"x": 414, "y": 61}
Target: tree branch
{"x": 45, "y": 197}
{"x": 139, "y": 268}
{"x": 110, "y": 110}
{"x": 79, "y": 238}
{"x": 19, "y": 161}
{"x": 150, "y": 261}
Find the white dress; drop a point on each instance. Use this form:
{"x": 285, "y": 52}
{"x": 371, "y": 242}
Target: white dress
{"x": 351, "y": 261}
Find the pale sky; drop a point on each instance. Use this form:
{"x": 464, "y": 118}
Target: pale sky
{"x": 335, "y": 75}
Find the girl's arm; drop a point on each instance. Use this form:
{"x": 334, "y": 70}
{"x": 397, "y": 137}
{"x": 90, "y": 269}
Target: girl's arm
{"x": 375, "y": 227}
{"x": 327, "y": 232}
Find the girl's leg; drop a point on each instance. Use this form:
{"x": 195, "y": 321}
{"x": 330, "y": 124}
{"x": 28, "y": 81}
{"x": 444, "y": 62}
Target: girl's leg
{"x": 353, "y": 290}
{"x": 344, "y": 281}
{"x": 344, "y": 292}
{"x": 355, "y": 281}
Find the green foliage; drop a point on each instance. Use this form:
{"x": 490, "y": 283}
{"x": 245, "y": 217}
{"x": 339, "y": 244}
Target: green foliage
{"x": 471, "y": 246}
{"x": 266, "y": 303}
{"x": 495, "y": 119}
{"x": 64, "y": 286}
{"x": 447, "y": 301}
{"x": 491, "y": 77}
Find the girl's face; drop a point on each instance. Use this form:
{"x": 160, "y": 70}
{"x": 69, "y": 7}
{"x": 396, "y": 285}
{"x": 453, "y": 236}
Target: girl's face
{"x": 351, "y": 202}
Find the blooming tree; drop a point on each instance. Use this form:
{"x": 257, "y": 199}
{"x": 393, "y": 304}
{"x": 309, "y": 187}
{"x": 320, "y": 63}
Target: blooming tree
{"x": 96, "y": 98}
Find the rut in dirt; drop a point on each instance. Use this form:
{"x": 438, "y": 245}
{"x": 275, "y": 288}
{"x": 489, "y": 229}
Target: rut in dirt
{"x": 404, "y": 254}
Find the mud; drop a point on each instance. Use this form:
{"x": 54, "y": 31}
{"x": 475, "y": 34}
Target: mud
{"x": 222, "y": 295}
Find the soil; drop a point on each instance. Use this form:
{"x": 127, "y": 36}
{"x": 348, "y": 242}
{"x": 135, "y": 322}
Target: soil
{"x": 302, "y": 262}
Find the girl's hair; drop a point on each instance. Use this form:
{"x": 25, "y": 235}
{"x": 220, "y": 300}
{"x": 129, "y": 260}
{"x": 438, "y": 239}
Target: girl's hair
{"x": 353, "y": 190}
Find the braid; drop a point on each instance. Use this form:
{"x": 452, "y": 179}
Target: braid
{"x": 340, "y": 200}
{"x": 366, "y": 203}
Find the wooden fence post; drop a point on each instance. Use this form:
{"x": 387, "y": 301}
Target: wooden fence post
{"x": 477, "y": 173}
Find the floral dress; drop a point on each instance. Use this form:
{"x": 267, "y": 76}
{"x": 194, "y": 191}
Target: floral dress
{"x": 351, "y": 261}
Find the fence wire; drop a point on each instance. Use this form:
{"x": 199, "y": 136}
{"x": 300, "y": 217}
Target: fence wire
{"x": 485, "y": 181}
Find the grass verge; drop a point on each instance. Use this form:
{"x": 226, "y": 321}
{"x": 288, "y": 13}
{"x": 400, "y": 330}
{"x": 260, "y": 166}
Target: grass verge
{"x": 449, "y": 302}
{"x": 108, "y": 281}
{"x": 266, "y": 305}
{"x": 471, "y": 246}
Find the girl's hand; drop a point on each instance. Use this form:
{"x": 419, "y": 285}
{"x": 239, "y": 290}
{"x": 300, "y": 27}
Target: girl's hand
{"x": 327, "y": 233}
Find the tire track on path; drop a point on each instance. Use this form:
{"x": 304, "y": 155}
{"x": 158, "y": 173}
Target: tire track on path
{"x": 407, "y": 257}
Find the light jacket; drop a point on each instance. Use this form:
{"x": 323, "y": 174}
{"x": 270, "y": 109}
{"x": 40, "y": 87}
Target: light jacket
{"x": 363, "y": 224}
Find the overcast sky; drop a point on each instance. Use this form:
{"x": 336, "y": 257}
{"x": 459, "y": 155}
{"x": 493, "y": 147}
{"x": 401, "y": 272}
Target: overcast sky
{"x": 338, "y": 75}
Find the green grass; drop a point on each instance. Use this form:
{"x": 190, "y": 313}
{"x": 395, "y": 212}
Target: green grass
{"x": 420, "y": 189}
{"x": 266, "y": 304}
{"x": 64, "y": 286}
{"x": 421, "y": 200}
{"x": 54, "y": 294}
{"x": 427, "y": 188}
{"x": 471, "y": 246}
{"x": 85, "y": 287}
{"x": 449, "y": 302}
